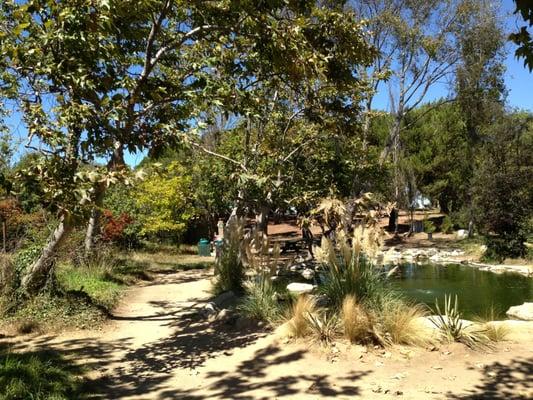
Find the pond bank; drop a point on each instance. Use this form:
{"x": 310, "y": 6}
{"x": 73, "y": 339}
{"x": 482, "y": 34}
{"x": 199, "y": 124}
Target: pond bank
{"x": 399, "y": 255}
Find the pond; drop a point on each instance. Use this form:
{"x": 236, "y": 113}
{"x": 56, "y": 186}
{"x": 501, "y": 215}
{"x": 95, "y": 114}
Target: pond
{"x": 477, "y": 291}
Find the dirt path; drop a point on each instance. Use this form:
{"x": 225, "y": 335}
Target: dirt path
{"x": 154, "y": 349}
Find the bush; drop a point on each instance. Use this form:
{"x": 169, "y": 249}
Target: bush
{"x": 351, "y": 273}
{"x": 429, "y": 226}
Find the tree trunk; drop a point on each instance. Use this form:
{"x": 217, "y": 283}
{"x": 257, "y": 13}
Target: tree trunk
{"x": 92, "y": 226}
{"x": 35, "y": 277}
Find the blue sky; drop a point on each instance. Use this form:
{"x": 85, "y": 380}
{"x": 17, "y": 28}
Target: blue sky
{"x": 518, "y": 79}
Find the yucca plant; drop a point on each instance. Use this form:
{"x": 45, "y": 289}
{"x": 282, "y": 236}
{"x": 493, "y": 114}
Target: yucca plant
{"x": 453, "y": 328}
{"x": 323, "y": 326}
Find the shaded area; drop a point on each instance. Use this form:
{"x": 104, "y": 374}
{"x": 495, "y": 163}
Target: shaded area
{"x": 250, "y": 380}
{"x": 503, "y": 382}
{"x": 38, "y": 375}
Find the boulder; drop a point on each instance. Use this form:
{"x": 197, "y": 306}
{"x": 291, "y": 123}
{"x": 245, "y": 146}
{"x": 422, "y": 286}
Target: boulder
{"x": 308, "y": 273}
{"x": 461, "y": 234}
{"x": 299, "y": 288}
{"x": 224, "y": 298}
{"x": 523, "y": 312}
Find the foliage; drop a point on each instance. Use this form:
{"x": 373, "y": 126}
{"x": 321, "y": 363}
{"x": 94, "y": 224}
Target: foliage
{"x": 429, "y": 226}
{"x": 260, "y": 301}
{"x": 453, "y": 328}
{"x": 163, "y": 204}
{"x": 502, "y": 188}
{"x": 523, "y": 38}
{"x": 114, "y": 228}
{"x": 38, "y": 376}
{"x": 446, "y": 225}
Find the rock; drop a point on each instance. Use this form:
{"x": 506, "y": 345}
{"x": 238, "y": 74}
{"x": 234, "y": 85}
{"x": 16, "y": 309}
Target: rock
{"x": 209, "y": 310}
{"x": 523, "y": 312}
{"x": 308, "y": 273}
{"x": 299, "y": 288}
{"x": 461, "y": 234}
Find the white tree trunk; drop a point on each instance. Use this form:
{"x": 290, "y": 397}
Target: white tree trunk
{"x": 35, "y": 277}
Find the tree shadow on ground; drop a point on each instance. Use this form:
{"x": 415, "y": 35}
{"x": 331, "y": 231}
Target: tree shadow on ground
{"x": 503, "y": 382}
{"x": 250, "y": 380}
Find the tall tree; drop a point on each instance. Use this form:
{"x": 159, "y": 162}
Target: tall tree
{"x": 418, "y": 49}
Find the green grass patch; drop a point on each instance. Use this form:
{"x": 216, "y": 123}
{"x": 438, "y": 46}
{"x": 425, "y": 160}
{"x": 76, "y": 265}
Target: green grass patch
{"x": 99, "y": 286}
{"x": 39, "y": 376}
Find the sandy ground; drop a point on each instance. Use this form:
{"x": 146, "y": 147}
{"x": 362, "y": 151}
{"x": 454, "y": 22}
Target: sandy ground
{"x": 155, "y": 349}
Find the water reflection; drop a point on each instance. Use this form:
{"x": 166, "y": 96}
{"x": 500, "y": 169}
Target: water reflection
{"x": 477, "y": 290}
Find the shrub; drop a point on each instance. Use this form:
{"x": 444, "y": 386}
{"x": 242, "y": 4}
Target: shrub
{"x": 351, "y": 273}
{"x": 323, "y": 325}
{"x": 429, "y": 226}
{"x": 7, "y": 275}
{"x": 260, "y": 301}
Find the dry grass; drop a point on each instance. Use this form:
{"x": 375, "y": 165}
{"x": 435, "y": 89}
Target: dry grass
{"x": 298, "y": 321}
{"x": 399, "y": 324}
{"x": 356, "y": 322}
{"x": 162, "y": 261}
{"x": 496, "y": 332}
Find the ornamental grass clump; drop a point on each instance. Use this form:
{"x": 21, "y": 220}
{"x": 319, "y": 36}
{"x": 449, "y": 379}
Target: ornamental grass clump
{"x": 349, "y": 271}
{"x": 260, "y": 301}
{"x": 298, "y": 321}
{"x": 356, "y": 322}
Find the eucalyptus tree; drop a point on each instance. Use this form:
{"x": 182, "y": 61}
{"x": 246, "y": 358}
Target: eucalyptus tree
{"x": 93, "y": 78}
{"x": 418, "y": 45}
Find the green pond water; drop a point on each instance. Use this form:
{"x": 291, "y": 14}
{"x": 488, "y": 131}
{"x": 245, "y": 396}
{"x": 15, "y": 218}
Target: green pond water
{"x": 477, "y": 291}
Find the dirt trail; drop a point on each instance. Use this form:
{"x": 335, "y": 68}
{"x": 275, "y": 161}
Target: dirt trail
{"x": 154, "y": 349}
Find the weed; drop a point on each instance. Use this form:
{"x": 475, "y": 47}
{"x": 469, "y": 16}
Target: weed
{"x": 230, "y": 268}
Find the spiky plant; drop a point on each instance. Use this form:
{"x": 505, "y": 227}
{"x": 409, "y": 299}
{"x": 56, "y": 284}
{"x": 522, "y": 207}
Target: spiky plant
{"x": 453, "y": 328}
{"x": 323, "y": 326}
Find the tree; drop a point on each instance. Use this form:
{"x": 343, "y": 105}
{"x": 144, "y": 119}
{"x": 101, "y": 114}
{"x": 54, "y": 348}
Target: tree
{"x": 523, "y": 38}
{"x": 502, "y": 186}
{"x": 163, "y": 202}
{"x": 418, "y": 44}
{"x": 92, "y": 79}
